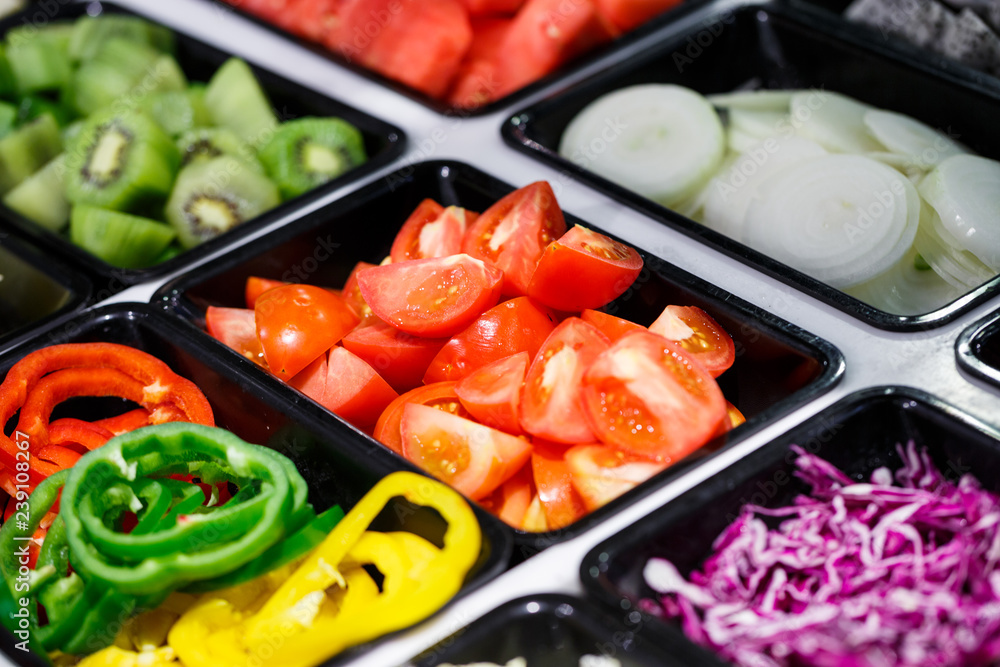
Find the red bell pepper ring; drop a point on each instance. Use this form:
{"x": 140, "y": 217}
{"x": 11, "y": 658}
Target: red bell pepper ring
{"x": 78, "y": 434}
{"x": 46, "y": 377}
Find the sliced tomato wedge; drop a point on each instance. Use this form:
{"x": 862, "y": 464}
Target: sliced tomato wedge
{"x": 311, "y": 380}
{"x": 583, "y": 269}
{"x": 492, "y": 394}
{"x": 516, "y": 325}
{"x": 601, "y": 473}
{"x": 431, "y": 231}
{"x": 511, "y": 500}
{"x": 297, "y": 323}
{"x": 647, "y": 396}
{"x": 431, "y": 297}
{"x": 352, "y": 295}
{"x": 609, "y": 325}
{"x": 235, "y": 328}
{"x": 440, "y": 395}
{"x": 512, "y": 234}
{"x": 400, "y": 358}
{"x": 256, "y": 286}
{"x": 473, "y": 458}
{"x": 700, "y": 336}
{"x": 551, "y": 406}
{"x": 561, "y": 502}
{"x": 354, "y": 391}
{"x": 534, "y": 518}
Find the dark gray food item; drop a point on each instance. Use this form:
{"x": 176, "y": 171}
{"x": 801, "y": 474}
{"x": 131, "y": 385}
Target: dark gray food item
{"x": 920, "y": 22}
{"x": 970, "y": 41}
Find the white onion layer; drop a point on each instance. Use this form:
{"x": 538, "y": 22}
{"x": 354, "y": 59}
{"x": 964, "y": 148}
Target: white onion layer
{"x": 957, "y": 266}
{"x": 906, "y": 290}
{"x": 920, "y": 145}
{"x": 755, "y": 100}
{"x": 834, "y": 121}
{"x": 842, "y": 219}
{"x": 662, "y": 141}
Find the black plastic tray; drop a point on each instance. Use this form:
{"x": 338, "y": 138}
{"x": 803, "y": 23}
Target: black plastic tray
{"x": 338, "y": 468}
{"x": 978, "y": 349}
{"x": 383, "y": 143}
{"x": 778, "y": 366}
{"x": 781, "y": 47}
{"x": 34, "y": 291}
{"x": 857, "y": 434}
{"x": 551, "y": 631}
{"x": 442, "y": 107}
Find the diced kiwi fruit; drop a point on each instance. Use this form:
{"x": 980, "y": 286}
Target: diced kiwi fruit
{"x": 33, "y": 106}
{"x": 123, "y": 68}
{"x": 90, "y": 33}
{"x": 120, "y": 239}
{"x": 72, "y": 131}
{"x": 39, "y": 57}
{"x": 202, "y": 144}
{"x": 120, "y": 160}
{"x": 8, "y": 118}
{"x": 175, "y": 111}
{"x": 25, "y": 150}
{"x": 8, "y": 84}
{"x": 235, "y": 100}
{"x": 307, "y": 152}
{"x": 213, "y": 196}
{"x": 41, "y": 197}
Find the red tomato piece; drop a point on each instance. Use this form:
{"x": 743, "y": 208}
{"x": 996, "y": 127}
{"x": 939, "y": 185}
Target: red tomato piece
{"x": 510, "y": 501}
{"x": 431, "y": 231}
{"x": 583, "y": 269}
{"x": 602, "y": 473}
{"x": 473, "y": 458}
{"x": 235, "y": 328}
{"x": 256, "y": 286}
{"x": 352, "y": 295}
{"x": 700, "y": 336}
{"x": 311, "y": 380}
{"x": 440, "y": 395}
{"x": 629, "y": 14}
{"x": 517, "y": 325}
{"x": 512, "y": 234}
{"x": 354, "y": 391}
{"x": 476, "y": 83}
{"x": 431, "y": 297}
{"x": 492, "y": 393}
{"x": 312, "y": 19}
{"x": 400, "y": 358}
{"x": 297, "y": 323}
{"x": 561, "y": 503}
{"x": 551, "y": 406}
{"x": 609, "y": 325}
{"x": 545, "y": 35}
{"x": 490, "y": 7}
{"x": 534, "y": 518}
{"x": 271, "y": 11}
{"x": 647, "y": 396}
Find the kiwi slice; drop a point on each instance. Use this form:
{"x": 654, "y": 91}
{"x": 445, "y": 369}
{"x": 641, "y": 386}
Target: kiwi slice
{"x": 213, "y": 196}
{"x": 123, "y": 68}
{"x": 91, "y": 32}
{"x": 39, "y": 57}
{"x": 120, "y": 160}
{"x": 25, "y": 150}
{"x": 235, "y": 100}
{"x": 33, "y": 106}
{"x": 8, "y": 84}
{"x": 41, "y": 197}
{"x": 176, "y": 111}
{"x": 120, "y": 239}
{"x": 308, "y": 152}
{"x": 8, "y": 118}
{"x": 205, "y": 143}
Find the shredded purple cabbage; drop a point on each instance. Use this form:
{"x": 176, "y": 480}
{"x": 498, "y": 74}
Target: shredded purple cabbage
{"x": 856, "y": 575}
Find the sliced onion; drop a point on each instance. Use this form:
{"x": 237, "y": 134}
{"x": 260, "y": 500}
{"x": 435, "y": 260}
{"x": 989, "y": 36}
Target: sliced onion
{"x": 965, "y": 192}
{"x": 842, "y": 219}
{"x": 730, "y": 193}
{"x": 834, "y": 121}
{"x": 739, "y": 141}
{"x": 759, "y": 124}
{"x": 957, "y": 266}
{"x": 921, "y": 145}
{"x": 663, "y": 141}
{"x": 906, "y": 290}
{"x": 756, "y": 100}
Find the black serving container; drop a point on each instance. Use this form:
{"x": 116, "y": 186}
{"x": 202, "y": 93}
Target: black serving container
{"x": 554, "y": 631}
{"x": 441, "y": 106}
{"x": 978, "y": 349}
{"x": 778, "y": 366}
{"x": 383, "y": 143}
{"x": 34, "y": 291}
{"x": 858, "y": 434}
{"x": 726, "y": 46}
{"x": 338, "y": 468}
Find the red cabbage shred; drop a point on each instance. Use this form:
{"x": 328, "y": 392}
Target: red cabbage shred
{"x": 856, "y": 575}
